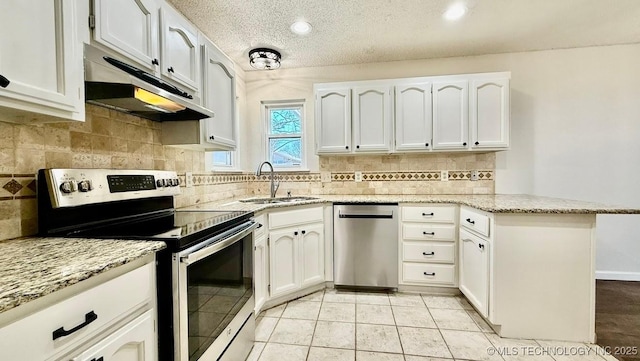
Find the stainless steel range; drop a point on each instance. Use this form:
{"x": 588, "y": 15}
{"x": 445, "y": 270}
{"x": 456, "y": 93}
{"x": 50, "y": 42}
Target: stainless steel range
{"x": 205, "y": 276}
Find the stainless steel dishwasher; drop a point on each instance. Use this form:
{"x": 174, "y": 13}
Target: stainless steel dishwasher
{"x": 365, "y": 245}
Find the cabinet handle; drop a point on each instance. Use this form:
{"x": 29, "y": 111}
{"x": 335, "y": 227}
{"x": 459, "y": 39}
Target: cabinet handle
{"x": 429, "y": 233}
{"x": 155, "y": 62}
{"x": 170, "y": 70}
{"x": 4, "y": 82}
{"x": 88, "y": 318}
{"x": 429, "y": 274}
{"x": 303, "y": 232}
{"x": 477, "y": 143}
{"x": 346, "y": 147}
{"x": 357, "y": 147}
{"x": 259, "y": 225}
{"x": 470, "y": 221}
{"x": 427, "y": 214}
{"x": 295, "y": 233}
{"x": 481, "y": 246}
{"x": 426, "y": 144}
{"x": 212, "y": 137}
{"x": 98, "y": 359}
{"x": 465, "y": 144}
{"x": 428, "y": 254}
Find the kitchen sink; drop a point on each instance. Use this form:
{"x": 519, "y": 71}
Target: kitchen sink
{"x": 277, "y": 200}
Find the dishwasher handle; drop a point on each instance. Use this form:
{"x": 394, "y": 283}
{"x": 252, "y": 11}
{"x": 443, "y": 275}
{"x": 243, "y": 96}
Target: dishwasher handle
{"x": 387, "y": 215}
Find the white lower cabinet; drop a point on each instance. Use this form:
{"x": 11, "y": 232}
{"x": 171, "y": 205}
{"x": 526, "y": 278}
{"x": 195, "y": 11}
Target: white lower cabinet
{"x": 312, "y": 254}
{"x": 474, "y": 270}
{"x": 283, "y": 259}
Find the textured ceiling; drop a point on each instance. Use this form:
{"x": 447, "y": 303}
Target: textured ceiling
{"x": 364, "y": 31}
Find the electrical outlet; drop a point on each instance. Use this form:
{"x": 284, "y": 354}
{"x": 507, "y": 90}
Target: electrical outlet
{"x": 325, "y": 177}
{"x": 358, "y": 176}
{"x": 474, "y": 175}
{"x": 188, "y": 179}
{"x": 444, "y": 175}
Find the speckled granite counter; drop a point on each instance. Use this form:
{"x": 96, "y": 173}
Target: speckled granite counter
{"x": 496, "y": 203}
{"x": 34, "y": 267}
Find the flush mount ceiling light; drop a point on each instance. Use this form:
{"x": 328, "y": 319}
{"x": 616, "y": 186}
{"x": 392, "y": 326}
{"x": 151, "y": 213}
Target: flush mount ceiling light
{"x": 301, "y": 27}
{"x": 264, "y": 59}
{"x": 455, "y": 12}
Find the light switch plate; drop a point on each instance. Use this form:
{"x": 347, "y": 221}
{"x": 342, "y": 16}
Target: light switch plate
{"x": 188, "y": 179}
{"x": 474, "y": 175}
{"x": 444, "y": 175}
{"x": 358, "y": 176}
{"x": 325, "y": 177}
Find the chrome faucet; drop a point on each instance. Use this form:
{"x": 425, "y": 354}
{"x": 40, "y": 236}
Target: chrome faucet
{"x": 274, "y": 185}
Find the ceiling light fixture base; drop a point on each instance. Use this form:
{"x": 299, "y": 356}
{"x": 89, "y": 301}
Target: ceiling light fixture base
{"x": 264, "y": 59}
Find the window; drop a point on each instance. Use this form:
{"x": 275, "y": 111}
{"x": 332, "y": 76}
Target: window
{"x": 220, "y": 160}
{"x": 285, "y": 145}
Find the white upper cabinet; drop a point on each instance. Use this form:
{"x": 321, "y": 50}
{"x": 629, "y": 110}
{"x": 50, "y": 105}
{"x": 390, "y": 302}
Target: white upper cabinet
{"x": 129, "y": 27}
{"x": 413, "y": 116}
{"x": 333, "y": 120}
{"x": 372, "y": 118}
{"x": 180, "y": 60}
{"x": 489, "y": 113}
{"x": 219, "y": 95}
{"x": 450, "y": 114}
{"x": 40, "y": 60}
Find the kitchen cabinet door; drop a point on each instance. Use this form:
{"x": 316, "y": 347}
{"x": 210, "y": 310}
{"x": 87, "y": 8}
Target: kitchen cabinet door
{"x": 133, "y": 342}
{"x": 179, "y": 50}
{"x": 489, "y": 108}
{"x": 312, "y": 254}
{"x": 413, "y": 116}
{"x": 372, "y": 119}
{"x": 450, "y": 114}
{"x": 219, "y": 95}
{"x": 474, "y": 271}
{"x": 283, "y": 261}
{"x": 129, "y": 27}
{"x": 333, "y": 120}
{"x": 260, "y": 272}
{"x": 41, "y": 59}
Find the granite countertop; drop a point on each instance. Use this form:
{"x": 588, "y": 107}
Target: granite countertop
{"x": 494, "y": 203}
{"x": 34, "y": 267}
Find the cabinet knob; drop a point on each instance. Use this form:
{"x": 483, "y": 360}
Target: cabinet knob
{"x": 426, "y": 144}
{"x": 4, "y": 82}
{"x": 170, "y": 70}
{"x": 295, "y": 233}
{"x": 346, "y": 147}
{"x": 481, "y": 246}
{"x": 212, "y": 137}
{"x": 357, "y": 147}
{"x": 429, "y": 274}
{"x": 155, "y": 62}
{"x": 465, "y": 144}
{"x": 303, "y": 232}
{"x": 477, "y": 143}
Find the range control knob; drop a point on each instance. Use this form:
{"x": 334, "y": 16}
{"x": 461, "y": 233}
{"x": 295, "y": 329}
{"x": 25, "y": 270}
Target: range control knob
{"x": 85, "y": 186}
{"x": 161, "y": 183}
{"x": 177, "y": 180}
{"x": 67, "y": 187}
{"x": 174, "y": 182}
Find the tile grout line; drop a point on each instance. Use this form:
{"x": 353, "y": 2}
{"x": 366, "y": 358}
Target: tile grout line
{"x": 438, "y": 328}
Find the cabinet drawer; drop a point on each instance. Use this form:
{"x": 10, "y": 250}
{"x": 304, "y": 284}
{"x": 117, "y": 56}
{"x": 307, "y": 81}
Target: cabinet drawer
{"x": 436, "y": 214}
{"x": 428, "y": 252}
{"x": 428, "y": 273}
{"x": 110, "y": 302}
{"x": 427, "y": 232}
{"x": 474, "y": 220}
{"x": 262, "y": 225}
{"x": 295, "y": 217}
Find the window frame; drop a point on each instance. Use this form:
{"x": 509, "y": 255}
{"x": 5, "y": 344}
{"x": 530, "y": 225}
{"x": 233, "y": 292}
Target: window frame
{"x": 267, "y": 106}
{"x": 211, "y": 167}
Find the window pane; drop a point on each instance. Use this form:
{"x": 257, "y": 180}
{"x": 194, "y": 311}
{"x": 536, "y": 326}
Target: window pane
{"x": 285, "y": 121}
{"x": 222, "y": 158}
{"x": 285, "y": 152}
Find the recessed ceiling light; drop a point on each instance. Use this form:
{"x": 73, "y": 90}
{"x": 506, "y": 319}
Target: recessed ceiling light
{"x": 301, "y": 27}
{"x": 455, "y": 12}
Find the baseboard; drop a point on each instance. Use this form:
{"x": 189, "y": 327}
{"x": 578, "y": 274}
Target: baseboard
{"x": 617, "y": 276}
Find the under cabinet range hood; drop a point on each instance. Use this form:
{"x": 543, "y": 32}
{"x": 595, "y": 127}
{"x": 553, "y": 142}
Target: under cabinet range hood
{"x": 114, "y": 84}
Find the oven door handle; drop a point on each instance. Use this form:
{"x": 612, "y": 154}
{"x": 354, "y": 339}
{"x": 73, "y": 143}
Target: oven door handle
{"x": 193, "y": 257}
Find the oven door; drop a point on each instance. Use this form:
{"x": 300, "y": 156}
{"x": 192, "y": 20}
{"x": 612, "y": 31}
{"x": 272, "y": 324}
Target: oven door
{"x": 213, "y": 293}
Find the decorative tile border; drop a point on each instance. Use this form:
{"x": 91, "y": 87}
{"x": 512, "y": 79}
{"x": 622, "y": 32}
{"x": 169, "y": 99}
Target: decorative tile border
{"x": 205, "y": 179}
{"x": 17, "y": 186}
{"x": 288, "y": 177}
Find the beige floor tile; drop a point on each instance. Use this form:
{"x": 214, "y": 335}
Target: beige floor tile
{"x": 330, "y": 354}
{"x": 423, "y": 342}
{"x": 422, "y": 358}
{"x": 335, "y": 334}
{"x": 302, "y": 310}
{"x": 373, "y": 298}
{"x": 275, "y": 311}
{"x": 450, "y": 302}
{"x": 343, "y": 312}
{"x": 378, "y": 356}
{"x": 406, "y": 299}
{"x": 517, "y": 350}
{"x": 469, "y": 345}
{"x": 377, "y": 338}
{"x": 256, "y": 351}
{"x": 376, "y": 314}
{"x": 413, "y": 317}
{"x": 482, "y": 324}
{"x": 570, "y": 351}
{"x": 464, "y": 303}
{"x": 264, "y": 328}
{"x": 314, "y": 297}
{"x": 339, "y": 296}
{"x": 279, "y": 352}
{"x": 453, "y": 320}
{"x": 295, "y": 332}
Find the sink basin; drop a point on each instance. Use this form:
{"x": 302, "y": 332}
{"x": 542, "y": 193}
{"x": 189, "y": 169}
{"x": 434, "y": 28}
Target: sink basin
{"x": 276, "y": 200}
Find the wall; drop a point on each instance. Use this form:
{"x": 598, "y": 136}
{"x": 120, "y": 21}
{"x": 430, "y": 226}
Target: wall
{"x": 575, "y": 128}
